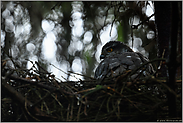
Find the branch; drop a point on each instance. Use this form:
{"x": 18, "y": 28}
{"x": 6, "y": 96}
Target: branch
{"x": 147, "y": 19}
{"x": 22, "y": 101}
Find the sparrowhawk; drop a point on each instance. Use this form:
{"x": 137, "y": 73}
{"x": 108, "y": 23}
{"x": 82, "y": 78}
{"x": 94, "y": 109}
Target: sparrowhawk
{"x": 118, "y": 58}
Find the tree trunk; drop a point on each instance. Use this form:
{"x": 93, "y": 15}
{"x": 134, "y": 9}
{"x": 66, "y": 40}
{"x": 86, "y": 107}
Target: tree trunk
{"x": 167, "y": 27}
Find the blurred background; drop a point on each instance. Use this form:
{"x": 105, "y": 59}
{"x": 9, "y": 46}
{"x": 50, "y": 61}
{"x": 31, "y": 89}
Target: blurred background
{"x": 67, "y": 37}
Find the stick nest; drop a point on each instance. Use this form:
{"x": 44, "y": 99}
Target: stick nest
{"x": 37, "y": 95}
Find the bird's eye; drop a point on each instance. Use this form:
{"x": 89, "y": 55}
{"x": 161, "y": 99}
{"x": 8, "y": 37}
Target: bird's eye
{"x": 109, "y": 50}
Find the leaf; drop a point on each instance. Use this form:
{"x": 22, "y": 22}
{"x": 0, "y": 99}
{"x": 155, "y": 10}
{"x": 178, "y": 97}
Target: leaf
{"x": 120, "y": 33}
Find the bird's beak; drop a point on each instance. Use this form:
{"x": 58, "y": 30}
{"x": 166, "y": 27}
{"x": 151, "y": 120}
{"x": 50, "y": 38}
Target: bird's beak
{"x": 102, "y": 56}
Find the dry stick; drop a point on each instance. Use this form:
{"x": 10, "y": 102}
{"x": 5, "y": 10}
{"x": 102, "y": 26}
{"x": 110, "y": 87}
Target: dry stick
{"x": 19, "y": 79}
{"x": 124, "y": 97}
{"x": 161, "y": 62}
{"x": 29, "y": 112}
{"x": 166, "y": 86}
{"x": 99, "y": 110}
{"x": 108, "y": 103}
{"x": 42, "y": 100}
{"x": 85, "y": 108}
{"x": 68, "y": 112}
{"x": 39, "y": 101}
{"x": 40, "y": 67}
{"x": 79, "y": 112}
{"x": 70, "y": 72}
{"x": 57, "y": 100}
{"x": 19, "y": 98}
{"x": 72, "y": 107}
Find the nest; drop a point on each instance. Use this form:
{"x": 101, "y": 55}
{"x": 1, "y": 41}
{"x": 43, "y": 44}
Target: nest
{"x": 40, "y": 96}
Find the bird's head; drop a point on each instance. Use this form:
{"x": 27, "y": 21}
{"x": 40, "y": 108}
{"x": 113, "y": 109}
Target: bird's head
{"x": 114, "y": 47}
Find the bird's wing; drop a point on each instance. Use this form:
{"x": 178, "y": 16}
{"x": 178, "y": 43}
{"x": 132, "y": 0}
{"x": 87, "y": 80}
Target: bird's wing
{"x": 119, "y": 63}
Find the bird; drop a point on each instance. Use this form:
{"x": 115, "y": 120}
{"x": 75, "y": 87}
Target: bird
{"x": 117, "y": 58}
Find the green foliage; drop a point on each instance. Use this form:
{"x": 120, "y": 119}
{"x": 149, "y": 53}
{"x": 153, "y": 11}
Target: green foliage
{"x": 120, "y": 33}
{"x": 88, "y": 56}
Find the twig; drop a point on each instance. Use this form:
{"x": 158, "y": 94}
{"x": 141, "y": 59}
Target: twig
{"x": 70, "y": 72}
{"x": 78, "y": 114}
{"x": 136, "y": 26}
{"x": 19, "y": 98}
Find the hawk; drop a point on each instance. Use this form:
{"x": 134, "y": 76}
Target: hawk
{"x": 118, "y": 58}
